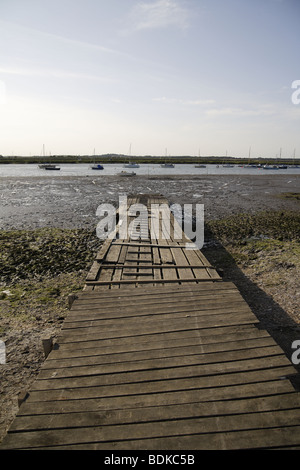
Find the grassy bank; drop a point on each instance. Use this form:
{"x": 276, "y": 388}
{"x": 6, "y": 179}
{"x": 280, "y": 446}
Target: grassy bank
{"x": 39, "y": 268}
{"x": 242, "y": 228}
{"x": 260, "y": 253}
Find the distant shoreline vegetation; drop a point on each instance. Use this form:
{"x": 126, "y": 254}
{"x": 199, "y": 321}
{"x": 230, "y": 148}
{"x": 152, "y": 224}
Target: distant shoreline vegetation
{"x": 116, "y": 158}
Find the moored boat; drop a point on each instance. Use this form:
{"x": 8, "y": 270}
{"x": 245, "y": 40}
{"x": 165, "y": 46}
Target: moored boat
{"x": 167, "y": 165}
{"x": 97, "y": 166}
{"x": 127, "y": 173}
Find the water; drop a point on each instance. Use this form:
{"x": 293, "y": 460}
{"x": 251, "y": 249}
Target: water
{"x": 82, "y": 169}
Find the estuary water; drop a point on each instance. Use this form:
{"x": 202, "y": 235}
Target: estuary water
{"x": 83, "y": 169}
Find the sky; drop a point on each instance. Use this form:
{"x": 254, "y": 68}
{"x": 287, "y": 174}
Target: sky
{"x": 150, "y": 77}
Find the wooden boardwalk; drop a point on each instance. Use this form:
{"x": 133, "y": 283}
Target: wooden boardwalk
{"x": 157, "y": 352}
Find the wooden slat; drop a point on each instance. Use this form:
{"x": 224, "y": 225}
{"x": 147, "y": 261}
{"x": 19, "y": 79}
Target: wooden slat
{"x": 246, "y": 391}
{"x": 147, "y": 281}
{"x": 288, "y": 401}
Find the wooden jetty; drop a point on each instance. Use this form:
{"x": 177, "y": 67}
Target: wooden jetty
{"x": 158, "y": 352}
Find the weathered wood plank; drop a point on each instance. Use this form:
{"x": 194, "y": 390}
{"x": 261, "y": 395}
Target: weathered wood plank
{"x": 147, "y": 281}
{"x": 152, "y": 414}
{"x": 212, "y": 286}
{"x": 121, "y": 330}
{"x": 275, "y": 438}
{"x": 214, "y": 336}
{"x": 141, "y": 431}
{"x": 207, "y": 335}
{"x": 260, "y": 390}
{"x": 161, "y": 349}
{"x": 94, "y": 317}
{"x": 102, "y": 380}
{"x": 97, "y": 356}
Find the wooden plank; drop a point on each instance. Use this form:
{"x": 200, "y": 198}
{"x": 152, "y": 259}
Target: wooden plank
{"x": 104, "y": 249}
{"x": 120, "y": 330}
{"x": 201, "y": 299}
{"x": 94, "y": 417}
{"x": 249, "y": 439}
{"x": 93, "y": 273}
{"x": 98, "y": 356}
{"x": 147, "y": 281}
{"x": 142, "y": 431}
{"x": 206, "y": 335}
{"x": 119, "y": 394}
{"x": 144, "y": 302}
{"x": 246, "y": 391}
{"x": 150, "y": 244}
{"x": 149, "y": 342}
{"x": 95, "y": 310}
{"x": 150, "y": 290}
{"x": 134, "y": 256}
{"x": 114, "y": 380}
{"x": 113, "y": 254}
{"x": 152, "y": 266}
{"x": 217, "y": 286}
{"x": 165, "y": 362}
{"x": 144, "y": 270}
{"x": 91, "y": 319}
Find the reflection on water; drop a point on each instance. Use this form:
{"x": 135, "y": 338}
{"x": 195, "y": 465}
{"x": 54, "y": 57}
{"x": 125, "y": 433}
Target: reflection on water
{"x": 82, "y": 169}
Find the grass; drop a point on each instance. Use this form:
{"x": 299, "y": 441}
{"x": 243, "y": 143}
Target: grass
{"x": 39, "y": 269}
{"x": 34, "y": 254}
{"x": 266, "y": 243}
{"x": 240, "y": 228}
{"x": 295, "y": 196}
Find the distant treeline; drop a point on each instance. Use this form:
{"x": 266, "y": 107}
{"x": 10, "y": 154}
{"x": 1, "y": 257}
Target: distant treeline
{"x": 116, "y": 158}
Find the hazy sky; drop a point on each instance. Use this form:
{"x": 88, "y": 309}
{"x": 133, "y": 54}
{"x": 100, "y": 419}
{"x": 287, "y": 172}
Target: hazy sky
{"x": 180, "y": 77}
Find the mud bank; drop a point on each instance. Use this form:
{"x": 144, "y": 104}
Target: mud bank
{"x": 71, "y": 202}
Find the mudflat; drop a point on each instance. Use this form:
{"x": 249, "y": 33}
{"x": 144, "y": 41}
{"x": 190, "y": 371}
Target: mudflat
{"x": 71, "y": 202}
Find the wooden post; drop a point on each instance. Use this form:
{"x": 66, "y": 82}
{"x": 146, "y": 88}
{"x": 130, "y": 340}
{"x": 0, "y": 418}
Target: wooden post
{"x": 23, "y": 395}
{"x": 47, "y": 346}
{"x": 71, "y": 299}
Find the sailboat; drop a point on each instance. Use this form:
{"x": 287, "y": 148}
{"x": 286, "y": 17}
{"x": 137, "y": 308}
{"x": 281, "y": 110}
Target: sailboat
{"x": 281, "y": 166}
{"x": 200, "y": 165}
{"x": 96, "y": 166}
{"x": 131, "y": 164}
{"x": 167, "y": 164}
{"x": 250, "y": 165}
{"x": 227, "y": 165}
{"x": 294, "y": 156}
{"x": 48, "y": 166}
